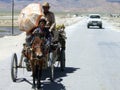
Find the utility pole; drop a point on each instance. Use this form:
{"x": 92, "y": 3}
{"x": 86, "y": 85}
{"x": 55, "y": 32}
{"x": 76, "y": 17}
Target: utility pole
{"x": 12, "y": 17}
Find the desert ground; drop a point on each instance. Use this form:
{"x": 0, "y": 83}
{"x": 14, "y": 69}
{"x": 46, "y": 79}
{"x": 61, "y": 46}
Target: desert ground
{"x": 67, "y": 20}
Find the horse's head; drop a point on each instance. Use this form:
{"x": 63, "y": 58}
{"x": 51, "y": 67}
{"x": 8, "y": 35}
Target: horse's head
{"x": 37, "y": 44}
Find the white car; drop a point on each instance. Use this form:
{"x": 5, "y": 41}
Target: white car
{"x": 94, "y": 20}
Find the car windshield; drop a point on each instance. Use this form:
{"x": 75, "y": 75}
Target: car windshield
{"x": 94, "y": 16}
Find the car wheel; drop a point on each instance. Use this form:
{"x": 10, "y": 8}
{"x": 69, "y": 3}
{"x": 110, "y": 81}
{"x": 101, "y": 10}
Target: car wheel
{"x": 87, "y": 26}
{"x": 100, "y": 26}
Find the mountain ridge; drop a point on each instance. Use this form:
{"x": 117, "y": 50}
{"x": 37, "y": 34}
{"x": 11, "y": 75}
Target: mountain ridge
{"x": 68, "y": 5}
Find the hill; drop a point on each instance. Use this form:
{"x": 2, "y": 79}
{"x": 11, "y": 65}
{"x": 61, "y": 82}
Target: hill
{"x": 83, "y": 6}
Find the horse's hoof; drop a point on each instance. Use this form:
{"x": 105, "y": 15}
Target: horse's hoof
{"x": 39, "y": 89}
{"x": 33, "y": 87}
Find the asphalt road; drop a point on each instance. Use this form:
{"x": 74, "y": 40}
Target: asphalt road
{"x": 92, "y": 62}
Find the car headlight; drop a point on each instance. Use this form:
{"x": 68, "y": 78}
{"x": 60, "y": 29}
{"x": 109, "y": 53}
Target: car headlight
{"x": 90, "y": 22}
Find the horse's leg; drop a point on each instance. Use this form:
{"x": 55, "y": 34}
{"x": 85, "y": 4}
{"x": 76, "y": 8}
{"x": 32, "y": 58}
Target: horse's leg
{"x": 33, "y": 73}
{"x": 38, "y": 80}
{"x": 39, "y": 75}
{"x": 36, "y": 72}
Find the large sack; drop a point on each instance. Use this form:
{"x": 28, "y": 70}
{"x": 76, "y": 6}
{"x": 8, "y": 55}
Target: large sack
{"x": 29, "y": 17}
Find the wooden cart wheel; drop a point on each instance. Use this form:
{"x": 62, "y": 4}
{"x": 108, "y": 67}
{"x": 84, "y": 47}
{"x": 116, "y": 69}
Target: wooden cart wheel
{"x": 51, "y": 67}
{"x": 14, "y": 67}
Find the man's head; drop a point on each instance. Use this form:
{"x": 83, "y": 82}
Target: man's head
{"x": 42, "y": 23}
{"x": 46, "y": 7}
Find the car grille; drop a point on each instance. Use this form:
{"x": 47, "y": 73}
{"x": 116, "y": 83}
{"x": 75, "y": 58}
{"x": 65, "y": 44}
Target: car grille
{"x": 94, "y": 21}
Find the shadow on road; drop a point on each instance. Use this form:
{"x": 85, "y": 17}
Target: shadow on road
{"x": 47, "y": 84}
{"x": 57, "y": 85}
{"x": 23, "y": 80}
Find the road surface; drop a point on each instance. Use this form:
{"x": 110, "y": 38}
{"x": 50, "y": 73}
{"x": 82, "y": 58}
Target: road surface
{"x": 92, "y": 62}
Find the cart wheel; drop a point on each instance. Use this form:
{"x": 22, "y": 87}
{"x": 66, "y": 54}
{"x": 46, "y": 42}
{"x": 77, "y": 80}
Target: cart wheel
{"x": 51, "y": 67}
{"x": 62, "y": 60}
{"x": 52, "y": 73}
{"x": 14, "y": 67}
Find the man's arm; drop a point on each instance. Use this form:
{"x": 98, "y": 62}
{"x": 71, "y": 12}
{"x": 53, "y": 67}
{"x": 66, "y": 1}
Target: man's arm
{"x": 53, "y": 24}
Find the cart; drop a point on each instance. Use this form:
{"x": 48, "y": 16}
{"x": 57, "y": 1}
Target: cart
{"x": 56, "y": 55}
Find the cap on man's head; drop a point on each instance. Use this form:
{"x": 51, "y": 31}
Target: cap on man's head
{"x": 45, "y": 4}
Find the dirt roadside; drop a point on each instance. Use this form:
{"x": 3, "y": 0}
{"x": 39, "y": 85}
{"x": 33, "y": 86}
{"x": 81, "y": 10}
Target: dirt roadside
{"x": 59, "y": 20}
{"x": 114, "y": 21}
{"x": 65, "y": 20}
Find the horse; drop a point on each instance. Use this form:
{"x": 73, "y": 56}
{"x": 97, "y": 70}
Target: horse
{"x": 37, "y": 58}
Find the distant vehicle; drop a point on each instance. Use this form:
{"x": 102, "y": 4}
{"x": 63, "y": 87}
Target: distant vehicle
{"x": 94, "y": 20}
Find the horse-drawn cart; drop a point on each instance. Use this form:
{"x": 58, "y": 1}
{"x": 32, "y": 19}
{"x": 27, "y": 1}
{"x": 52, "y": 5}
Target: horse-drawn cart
{"x": 37, "y": 56}
{"x": 17, "y": 64}
{"x": 55, "y": 54}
